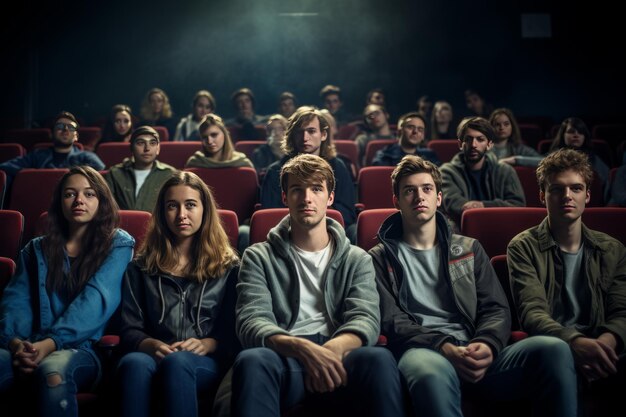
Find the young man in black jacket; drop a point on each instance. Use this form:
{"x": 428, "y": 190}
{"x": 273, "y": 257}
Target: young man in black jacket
{"x": 446, "y": 317}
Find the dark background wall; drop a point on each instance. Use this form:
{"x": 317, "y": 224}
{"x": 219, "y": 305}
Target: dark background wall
{"x": 86, "y": 56}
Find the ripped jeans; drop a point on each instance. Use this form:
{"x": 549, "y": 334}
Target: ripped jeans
{"x": 56, "y": 381}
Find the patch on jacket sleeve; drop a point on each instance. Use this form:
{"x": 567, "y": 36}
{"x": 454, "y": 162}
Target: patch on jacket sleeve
{"x": 456, "y": 249}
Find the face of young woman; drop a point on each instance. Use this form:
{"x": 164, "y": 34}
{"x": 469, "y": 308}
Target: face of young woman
{"x": 79, "y": 200}
{"x": 573, "y": 137}
{"x": 183, "y": 211}
{"x": 122, "y": 123}
{"x": 202, "y": 108}
{"x": 502, "y": 125}
{"x": 156, "y": 102}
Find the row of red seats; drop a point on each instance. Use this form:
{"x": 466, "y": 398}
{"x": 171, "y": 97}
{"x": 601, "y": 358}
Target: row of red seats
{"x": 373, "y": 190}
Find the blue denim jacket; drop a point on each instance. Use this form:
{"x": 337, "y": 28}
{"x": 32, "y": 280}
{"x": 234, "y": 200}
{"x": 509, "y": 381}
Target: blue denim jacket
{"x": 34, "y": 314}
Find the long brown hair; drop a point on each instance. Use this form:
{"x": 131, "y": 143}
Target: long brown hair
{"x": 211, "y": 250}
{"x": 95, "y": 243}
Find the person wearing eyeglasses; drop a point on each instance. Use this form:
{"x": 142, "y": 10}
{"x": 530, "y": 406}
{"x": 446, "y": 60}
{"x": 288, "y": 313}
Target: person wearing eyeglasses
{"x": 377, "y": 120}
{"x": 411, "y": 141}
{"x": 474, "y": 178}
{"x": 136, "y": 181}
{"x": 62, "y": 153}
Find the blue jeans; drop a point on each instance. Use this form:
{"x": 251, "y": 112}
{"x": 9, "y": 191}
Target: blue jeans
{"x": 176, "y": 381}
{"x": 539, "y": 368}
{"x": 78, "y": 369}
{"x": 265, "y": 382}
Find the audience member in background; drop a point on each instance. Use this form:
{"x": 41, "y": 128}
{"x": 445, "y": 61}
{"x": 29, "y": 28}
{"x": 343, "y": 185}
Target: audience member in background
{"x": 332, "y": 101}
{"x": 446, "y": 317}
{"x": 376, "y": 119}
{"x": 307, "y": 310}
{"x": 375, "y": 96}
{"x": 574, "y": 134}
{"x": 569, "y": 281}
{"x": 442, "y": 125}
{"x": 474, "y": 178}
{"x": 62, "y": 153}
{"x": 424, "y": 107}
{"x": 350, "y": 165}
{"x": 246, "y": 119}
{"x": 187, "y": 130}
{"x": 119, "y": 125}
{"x": 508, "y": 145}
{"x": 411, "y": 134}
{"x": 135, "y": 183}
{"x": 476, "y": 104}
{"x": 157, "y": 111}
{"x": 270, "y": 152}
{"x": 57, "y": 305}
{"x": 178, "y": 308}
{"x": 286, "y": 104}
{"x": 218, "y": 150}
{"x": 309, "y": 132}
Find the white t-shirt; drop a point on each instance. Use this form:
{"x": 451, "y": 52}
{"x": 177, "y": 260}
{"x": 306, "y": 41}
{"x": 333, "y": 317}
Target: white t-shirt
{"x": 140, "y": 177}
{"x": 312, "y": 316}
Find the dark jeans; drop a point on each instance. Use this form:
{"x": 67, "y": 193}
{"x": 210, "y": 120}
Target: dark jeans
{"x": 177, "y": 381}
{"x": 264, "y": 383}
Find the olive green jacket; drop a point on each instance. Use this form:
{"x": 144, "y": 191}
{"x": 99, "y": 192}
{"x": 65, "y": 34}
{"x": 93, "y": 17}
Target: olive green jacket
{"x": 536, "y": 274}
{"x": 121, "y": 180}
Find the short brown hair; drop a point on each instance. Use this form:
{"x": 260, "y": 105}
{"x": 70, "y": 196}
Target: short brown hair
{"x": 562, "y": 160}
{"x": 413, "y": 164}
{"x": 308, "y": 168}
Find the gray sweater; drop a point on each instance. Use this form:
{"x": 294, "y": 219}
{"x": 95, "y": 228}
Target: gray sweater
{"x": 268, "y": 292}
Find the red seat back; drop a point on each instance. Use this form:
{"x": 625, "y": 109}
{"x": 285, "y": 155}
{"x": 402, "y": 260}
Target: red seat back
{"x": 444, "y": 148}
{"x": 349, "y": 149}
{"x": 231, "y": 225}
{"x": 374, "y": 187}
{"x": 176, "y": 154}
{"x": 7, "y": 269}
{"x": 12, "y": 227}
{"x": 609, "y": 220}
{"x": 112, "y": 153}
{"x": 263, "y": 220}
{"x": 248, "y": 146}
{"x": 89, "y": 136}
{"x": 494, "y": 227}
{"x": 31, "y": 194}
{"x": 9, "y": 151}
{"x": 367, "y": 225}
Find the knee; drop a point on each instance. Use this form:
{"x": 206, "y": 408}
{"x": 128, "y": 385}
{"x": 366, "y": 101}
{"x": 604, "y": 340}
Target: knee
{"x": 435, "y": 371}
{"x": 550, "y": 352}
{"x": 376, "y": 359}
{"x": 136, "y": 363}
{"x": 256, "y": 361}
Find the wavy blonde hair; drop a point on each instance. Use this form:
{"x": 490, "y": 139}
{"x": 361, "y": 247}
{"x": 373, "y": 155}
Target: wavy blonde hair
{"x": 211, "y": 250}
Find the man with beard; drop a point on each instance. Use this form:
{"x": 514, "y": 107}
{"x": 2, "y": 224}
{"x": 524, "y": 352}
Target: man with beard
{"x": 411, "y": 134}
{"x": 474, "y": 178}
{"x": 62, "y": 153}
{"x": 307, "y": 312}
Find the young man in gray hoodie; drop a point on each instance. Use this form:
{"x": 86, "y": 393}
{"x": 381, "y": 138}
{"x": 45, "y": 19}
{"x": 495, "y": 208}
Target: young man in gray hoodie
{"x": 308, "y": 314}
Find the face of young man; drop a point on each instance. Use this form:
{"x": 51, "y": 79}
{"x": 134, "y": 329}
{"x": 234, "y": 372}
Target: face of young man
{"x": 413, "y": 131}
{"x": 332, "y": 102}
{"x": 474, "y": 145}
{"x": 310, "y": 137}
{"x": 64, "y": 133}
{"x": 307, "y": 202}
{"x": 286, "y": 107}
{"x": 145, "y": 150}
{"x": 244, "y": 103}
{"x": 375, "y": 116}
{"x": 565, "y": 196}
{"x": 418, "y": 200}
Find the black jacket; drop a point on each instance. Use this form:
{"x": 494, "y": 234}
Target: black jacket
{"x": 156, "y": 306}
{"x": 473, "y": 282}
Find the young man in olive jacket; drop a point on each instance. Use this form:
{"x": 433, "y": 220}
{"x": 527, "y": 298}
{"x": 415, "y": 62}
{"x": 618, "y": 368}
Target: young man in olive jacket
{"x": 446, "y": 317}
{"x": 307, "y": 312}
{"x": 569, "y": 281}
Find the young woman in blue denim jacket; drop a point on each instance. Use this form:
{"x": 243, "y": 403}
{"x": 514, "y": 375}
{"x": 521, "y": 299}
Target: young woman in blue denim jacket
{"x": 67, "y": 286}
{"x": 178, "y": 305}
